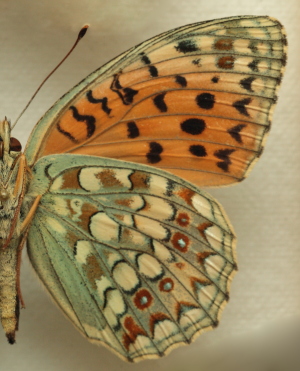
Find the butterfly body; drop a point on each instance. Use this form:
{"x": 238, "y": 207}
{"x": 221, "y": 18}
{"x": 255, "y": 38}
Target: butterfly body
{"x": 140, "y": 259}
{"x": 13, "y": 184}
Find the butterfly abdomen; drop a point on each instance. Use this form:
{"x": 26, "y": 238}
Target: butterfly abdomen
{"x": 9, "y": 301}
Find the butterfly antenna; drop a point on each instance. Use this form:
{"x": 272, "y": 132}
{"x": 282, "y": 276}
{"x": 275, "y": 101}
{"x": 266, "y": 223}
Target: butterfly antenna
{"x": 81, "y": 33}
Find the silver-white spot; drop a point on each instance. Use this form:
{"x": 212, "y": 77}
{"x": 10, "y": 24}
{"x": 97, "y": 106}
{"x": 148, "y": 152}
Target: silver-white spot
{"x": 181, "y": 243}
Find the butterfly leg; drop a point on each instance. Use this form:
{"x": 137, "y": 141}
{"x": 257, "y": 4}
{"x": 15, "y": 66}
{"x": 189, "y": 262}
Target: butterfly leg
{"x": 18, "y": 270}
{"x": 30, "y": 214}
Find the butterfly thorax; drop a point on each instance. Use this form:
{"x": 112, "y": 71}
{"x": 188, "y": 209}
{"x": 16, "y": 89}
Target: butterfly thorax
{"x": 12, "y": 184}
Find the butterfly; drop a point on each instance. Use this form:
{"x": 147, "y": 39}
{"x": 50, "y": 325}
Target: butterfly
{"x": 106, "y": 192}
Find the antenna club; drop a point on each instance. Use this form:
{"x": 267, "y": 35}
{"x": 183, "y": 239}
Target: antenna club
{"x": 82, "y": 32}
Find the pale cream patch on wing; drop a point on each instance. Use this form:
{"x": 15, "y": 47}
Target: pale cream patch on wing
{"x": 103, "y": 228}
{"x": 57, "y": 184}
{"x": 157, "y": 208}
{"x": 150, "y": 227}
{"x": 206, "y": 42}
{"x": 90, "y": 178}
{"x": 214, "y": 236}
{"x": 123, "y": 176}
{"x": 60, "y": 206}
{"x": 158, "y": 185}
{"x": 165, "y": 328}
{"x": 214, "y": 266}
{"x": 264, "y": 48}
{"x": 277, "y": 51}
{"x": 76, "y": 206}
{"x": 259, "y": 86}
{"x": 248, "y": 23}
{"x": 135, "y": 238}
{"x": 193, "y": 316}
{"x": 149, "y": 266}
{"x": 219, "y": 217}
{"x": 112, "y": 257}
{"x": 203, "y": 206}
{"x": 103, "y": 284}
{"x": 241, "y": 46}
{"x": 127, "y": 220}
{"x": 133, "y": 202}
{"x": 228, "y": 245}
{"x": 207, "y": 294}
{"x": 115, "y": 306}
{"x": 142, "y": 342}
{"x": 93, "y": 333}
{"x": 130, "y": 255}
{"x": 56, "y": 226}
{"x": 125, "y": 276}
{"x": 162, "y": 252}
{"x": 263, "y": 66}
{"x": 220, "y": 32}
{"x": 83, "y": 250}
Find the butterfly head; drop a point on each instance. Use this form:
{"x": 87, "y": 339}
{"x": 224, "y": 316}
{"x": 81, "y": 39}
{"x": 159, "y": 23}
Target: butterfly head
{"x": 9, "y": 147}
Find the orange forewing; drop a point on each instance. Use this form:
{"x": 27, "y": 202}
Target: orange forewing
{"x": 198, "y": 105}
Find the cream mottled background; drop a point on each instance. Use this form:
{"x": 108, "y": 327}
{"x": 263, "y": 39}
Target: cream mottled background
{"x": 260, "y": 327}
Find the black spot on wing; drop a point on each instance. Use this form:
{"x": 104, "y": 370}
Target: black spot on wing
{"x": 153, "y": 156}
{"x": 235, "y": 132}
{"x": 152, "y": 69}
{"x": 133, "y": 130}
{"x": 215, "y": 79}
{"x": 126, "y": 94}
{"x": 284, "y": 59}
{"x": 66, "y": 133}
{"x": 181, "y": 81}
{"x": 253, "y": 46}
{"x": 205, "y": 100}
{"x": 103, "y": 101}
{"x": 196, "y": 62}
{"x": 129, "y": 95}
{"x": 198, "y": 150}
{"x": 240, "y": 106}
{"x": 254, "y": 65}
{"x": 89, "y": 120}
{"x": 223, "y": 154}
{"x": 170, "y": 187}
{"x": 145, "y": 58}
{"x": 186, "y": 46}
{"x": 193, "y": 126}
{"x": 215, "y": 323}
{"x": 159, "y": 102}
{"x": 247, "y": 82}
